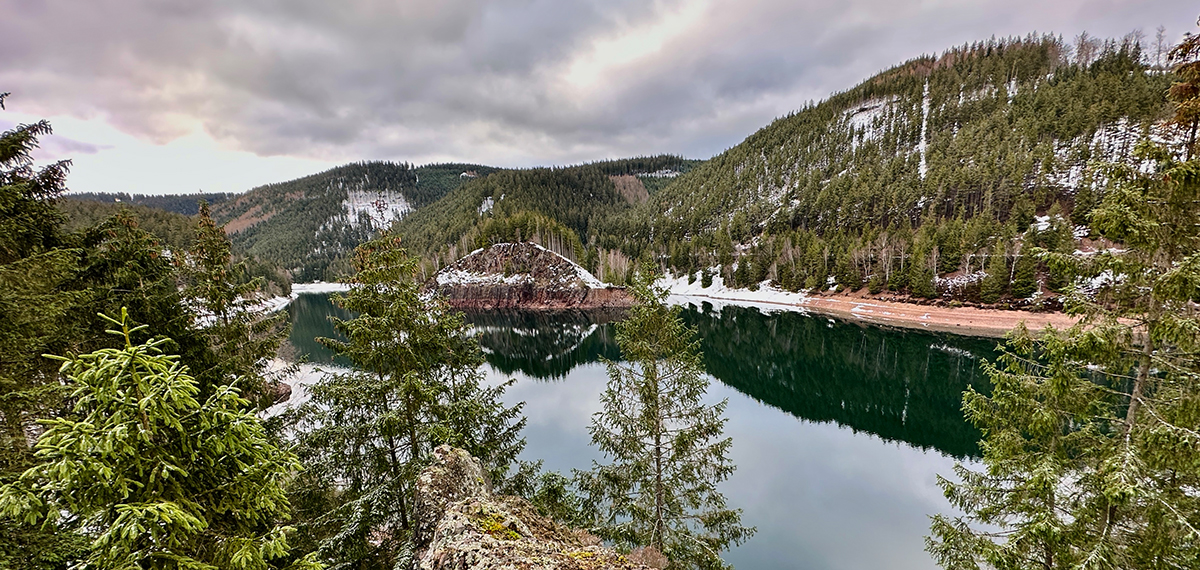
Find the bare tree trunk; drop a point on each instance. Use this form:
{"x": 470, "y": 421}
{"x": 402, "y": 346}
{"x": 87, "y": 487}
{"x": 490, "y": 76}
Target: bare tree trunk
{"x": 1192, "y": 138}
{"x": 396, "y": 473}
{"x": 395, "y": 467}
{"x": 1139, "y": 385}
{"x": 659, "y": 526}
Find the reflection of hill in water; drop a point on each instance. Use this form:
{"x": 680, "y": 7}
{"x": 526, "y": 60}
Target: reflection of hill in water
{"x": 309, "y": 314}
{"x": 900, "y": 385}
{"x": 545, "y": 345}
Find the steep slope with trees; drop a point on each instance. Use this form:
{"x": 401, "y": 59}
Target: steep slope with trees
{"x": 942, "y": 167}
{"x": 1091, "y": 434}
{"x": 558, "y": 208}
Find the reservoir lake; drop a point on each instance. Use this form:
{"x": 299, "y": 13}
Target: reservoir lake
{"x": 839, "y": 429}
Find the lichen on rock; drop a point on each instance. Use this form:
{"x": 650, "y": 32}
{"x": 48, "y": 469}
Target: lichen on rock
{"x": 462, "y": 525}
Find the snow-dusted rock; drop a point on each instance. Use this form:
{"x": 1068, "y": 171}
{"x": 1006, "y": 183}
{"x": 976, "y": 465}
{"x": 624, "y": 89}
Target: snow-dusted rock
{"x": 523, "y": 276}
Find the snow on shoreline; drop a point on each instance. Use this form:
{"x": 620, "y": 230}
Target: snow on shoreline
{"x": 279, "y": 303}
{"x": 319, "y": 287}
{"x": 767, "y": 298}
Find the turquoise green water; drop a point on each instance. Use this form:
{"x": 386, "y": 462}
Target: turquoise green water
{"x": 839, "y": 429}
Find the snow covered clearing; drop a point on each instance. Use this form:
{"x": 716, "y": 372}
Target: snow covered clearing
{"x": 868, "y": 119}
{"x": 382, "y": 207}
{"x": 766, "y": 298}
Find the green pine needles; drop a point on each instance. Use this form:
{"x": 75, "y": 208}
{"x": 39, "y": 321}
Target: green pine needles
{"x": 1092, "y": 435}
{"x": 366, "y": 433}
{"x": 666, "y": 445}
{"x": 155, "y": 477}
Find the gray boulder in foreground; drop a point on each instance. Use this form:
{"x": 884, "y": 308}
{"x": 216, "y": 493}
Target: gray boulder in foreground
{"x": 462, "y": 525}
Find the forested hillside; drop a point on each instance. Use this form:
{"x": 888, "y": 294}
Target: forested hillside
{"x": 308, "y": 225}
{"x": 176, "y": 231}
{"x": 186, "y": 204}
{"x": 924, "y": 179}
{"x": 173, "y": 231}
{"x": 556, "y": 207}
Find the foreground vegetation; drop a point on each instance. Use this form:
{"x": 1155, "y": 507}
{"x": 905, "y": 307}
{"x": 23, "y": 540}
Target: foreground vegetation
{"x": 137, "y": 371}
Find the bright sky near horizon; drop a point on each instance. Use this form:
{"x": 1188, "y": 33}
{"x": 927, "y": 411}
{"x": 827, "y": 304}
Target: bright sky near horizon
{"x": 153, "y": 96}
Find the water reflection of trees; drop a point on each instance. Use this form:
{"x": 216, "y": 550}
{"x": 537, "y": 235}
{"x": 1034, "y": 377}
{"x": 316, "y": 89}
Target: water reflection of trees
{"x": 309, "y": 314}
{"x": 900, "y": 385}
{"x": 545, "y": 345}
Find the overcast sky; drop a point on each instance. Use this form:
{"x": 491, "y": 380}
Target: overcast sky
{"x": 166, "y": 96}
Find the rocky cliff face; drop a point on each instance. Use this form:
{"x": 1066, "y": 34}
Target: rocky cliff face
{"x": 523, "y": 276}
{"x": 462, "y": 525}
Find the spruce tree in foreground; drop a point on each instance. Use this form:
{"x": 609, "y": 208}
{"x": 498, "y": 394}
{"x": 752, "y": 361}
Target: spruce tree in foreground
{"x": 667, "y": 450}
{"x": 37, "y": 267}
{"x": 366, "y": 434}
{"x": 155, "y": 477}
{"x": 1091, "y": 447}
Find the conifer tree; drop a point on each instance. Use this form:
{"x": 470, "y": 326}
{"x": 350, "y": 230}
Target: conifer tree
{"x": 1025, "y": 282}
{"x": 243, "y": 337}
{"x": 1186, "y": 91}
{"x": 36, "y": 269}
{"x": 997, "y": 276}
{"x": 367, "y": 433}
{"x": 1092, "y": 435}
{"x": 157, "y": 478}
{"x": 667, "y": 450}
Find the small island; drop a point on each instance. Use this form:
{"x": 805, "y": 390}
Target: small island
{"x": 523, "y": 276}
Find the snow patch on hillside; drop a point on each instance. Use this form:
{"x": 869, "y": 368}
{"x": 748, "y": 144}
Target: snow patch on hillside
{"x": 664, "y": 173}
{"x": 868, "y": 119}
{"x": 381, "y": 207}
{"x": 924, "y": 145}
{"x": 1113, "y": 142}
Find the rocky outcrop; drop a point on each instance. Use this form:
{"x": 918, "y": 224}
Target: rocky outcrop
{"x": 523, "y": 276}
{"x": 462, "y": 525}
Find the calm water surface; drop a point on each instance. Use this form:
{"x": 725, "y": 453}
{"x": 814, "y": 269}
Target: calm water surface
{"x": 839, "y": 430}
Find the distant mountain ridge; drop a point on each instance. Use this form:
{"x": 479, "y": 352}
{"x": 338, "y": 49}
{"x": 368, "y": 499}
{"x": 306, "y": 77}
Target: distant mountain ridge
{"x": 186, "y": 204}
{"x": 558, "y": 208}
{"x": 309, "y": 225}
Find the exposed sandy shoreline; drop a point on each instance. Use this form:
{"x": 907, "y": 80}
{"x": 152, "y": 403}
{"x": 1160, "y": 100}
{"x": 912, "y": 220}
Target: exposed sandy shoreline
{"x": 971, "y": 321}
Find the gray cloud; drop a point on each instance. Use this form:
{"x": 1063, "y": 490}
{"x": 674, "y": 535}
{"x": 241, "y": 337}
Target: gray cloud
{"x": 488, "y": 81}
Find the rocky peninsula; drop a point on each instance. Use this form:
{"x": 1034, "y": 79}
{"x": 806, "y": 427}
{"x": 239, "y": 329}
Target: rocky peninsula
{"x": 523, "y": 276}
